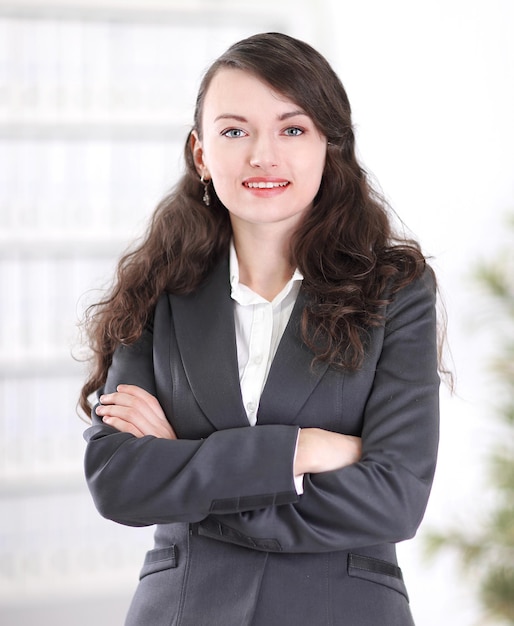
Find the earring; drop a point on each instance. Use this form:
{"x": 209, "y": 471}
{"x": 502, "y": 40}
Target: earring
{"x": 206, "y": 195}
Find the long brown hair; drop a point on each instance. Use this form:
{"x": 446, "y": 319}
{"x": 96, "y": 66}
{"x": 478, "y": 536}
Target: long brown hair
{"x": 345, "y": 246}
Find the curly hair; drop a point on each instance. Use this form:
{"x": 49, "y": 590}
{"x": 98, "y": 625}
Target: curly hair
{"x": 345, "y": 246}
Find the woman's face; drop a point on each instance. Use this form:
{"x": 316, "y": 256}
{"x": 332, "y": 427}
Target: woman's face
{"x": 263, "y": 153}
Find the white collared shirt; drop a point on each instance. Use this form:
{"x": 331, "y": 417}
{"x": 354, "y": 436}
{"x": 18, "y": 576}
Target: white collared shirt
{"x": 260, "y": 325}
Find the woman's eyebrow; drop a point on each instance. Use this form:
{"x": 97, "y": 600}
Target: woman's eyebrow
{"x": 295, "y": 113}
{"x": 231, "y": 116}
{"x": 241, "y": 118}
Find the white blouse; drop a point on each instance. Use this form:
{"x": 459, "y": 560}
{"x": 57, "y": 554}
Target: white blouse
{"x": 259, "y": 325}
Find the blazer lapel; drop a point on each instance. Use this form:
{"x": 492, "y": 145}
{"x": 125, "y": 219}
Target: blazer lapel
{"x": 292, "y": 378}
{"x": 204, "y": 326}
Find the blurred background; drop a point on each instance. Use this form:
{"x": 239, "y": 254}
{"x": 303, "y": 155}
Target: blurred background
{"x": 96, "y": 99}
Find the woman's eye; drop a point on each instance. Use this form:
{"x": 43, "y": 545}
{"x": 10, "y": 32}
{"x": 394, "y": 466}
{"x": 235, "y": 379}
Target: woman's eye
{"x": 294, "y": 131}
{"x": 233, "y": 133}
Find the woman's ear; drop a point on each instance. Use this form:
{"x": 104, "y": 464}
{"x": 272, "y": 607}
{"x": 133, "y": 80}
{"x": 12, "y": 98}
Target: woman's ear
{"x": 197, "y": 151}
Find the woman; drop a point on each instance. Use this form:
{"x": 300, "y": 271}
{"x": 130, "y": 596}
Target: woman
{"x": 267, "y": 367}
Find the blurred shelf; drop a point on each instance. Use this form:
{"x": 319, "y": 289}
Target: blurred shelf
{"x": 195, "y": 12}
{"x": 81, "y": 128}
{"x": 42, "y": 482}
{"x": 63, "y": 244}
{"x": 40, "y": 364}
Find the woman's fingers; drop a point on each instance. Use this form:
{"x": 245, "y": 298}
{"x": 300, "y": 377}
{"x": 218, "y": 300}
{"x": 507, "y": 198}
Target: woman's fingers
{"x": 122, "y": 425}
{"x": 141, "y": 394}
{"x": 132, "y": 409}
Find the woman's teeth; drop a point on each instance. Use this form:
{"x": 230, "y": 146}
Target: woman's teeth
{"x": 265, "y": 185}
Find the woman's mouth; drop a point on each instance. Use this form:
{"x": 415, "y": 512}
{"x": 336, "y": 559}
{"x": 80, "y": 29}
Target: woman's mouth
{"x": 265, "y": 184}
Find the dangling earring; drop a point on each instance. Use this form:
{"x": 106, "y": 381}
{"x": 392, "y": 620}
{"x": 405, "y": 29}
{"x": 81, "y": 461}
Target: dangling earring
{"x": 206, "y": 195}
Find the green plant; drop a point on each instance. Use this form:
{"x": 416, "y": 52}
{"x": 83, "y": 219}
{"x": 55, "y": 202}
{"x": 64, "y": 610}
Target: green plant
{"x": 487, "y": 549}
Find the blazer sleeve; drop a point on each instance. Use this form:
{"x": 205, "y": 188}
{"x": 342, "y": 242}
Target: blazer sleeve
{"x": 383, "y": 497}
{"x": 148, "y": 480}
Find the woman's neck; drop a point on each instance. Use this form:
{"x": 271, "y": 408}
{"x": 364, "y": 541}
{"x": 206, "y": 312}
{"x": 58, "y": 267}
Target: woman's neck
{"x": 264, "y": 264}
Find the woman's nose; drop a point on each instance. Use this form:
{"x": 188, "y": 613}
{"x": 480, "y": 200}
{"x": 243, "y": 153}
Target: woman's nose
{"x": 264, "y": 153}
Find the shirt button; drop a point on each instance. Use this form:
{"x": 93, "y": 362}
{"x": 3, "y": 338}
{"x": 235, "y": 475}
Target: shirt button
{"x": 251, "y": 407}
{"x": 258, "y": 359}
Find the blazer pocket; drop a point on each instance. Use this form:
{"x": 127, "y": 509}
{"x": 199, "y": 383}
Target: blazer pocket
{"x": 159, "y": 560}
{"x": 377, "y": 571}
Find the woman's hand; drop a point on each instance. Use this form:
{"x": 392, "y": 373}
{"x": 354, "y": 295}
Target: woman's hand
{"x": 323, "y": 451}
{"x": 133, "y": 410}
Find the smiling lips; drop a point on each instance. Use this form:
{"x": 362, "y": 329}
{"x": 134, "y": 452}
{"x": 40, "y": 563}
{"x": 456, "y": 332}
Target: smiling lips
{"x": 259, "y": 184}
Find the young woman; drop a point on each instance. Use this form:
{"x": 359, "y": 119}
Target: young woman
{"x": 266, "y": 367}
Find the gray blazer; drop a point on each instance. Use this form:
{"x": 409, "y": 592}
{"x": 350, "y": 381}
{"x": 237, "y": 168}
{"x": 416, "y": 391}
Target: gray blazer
{"x": 234, "y": 544}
